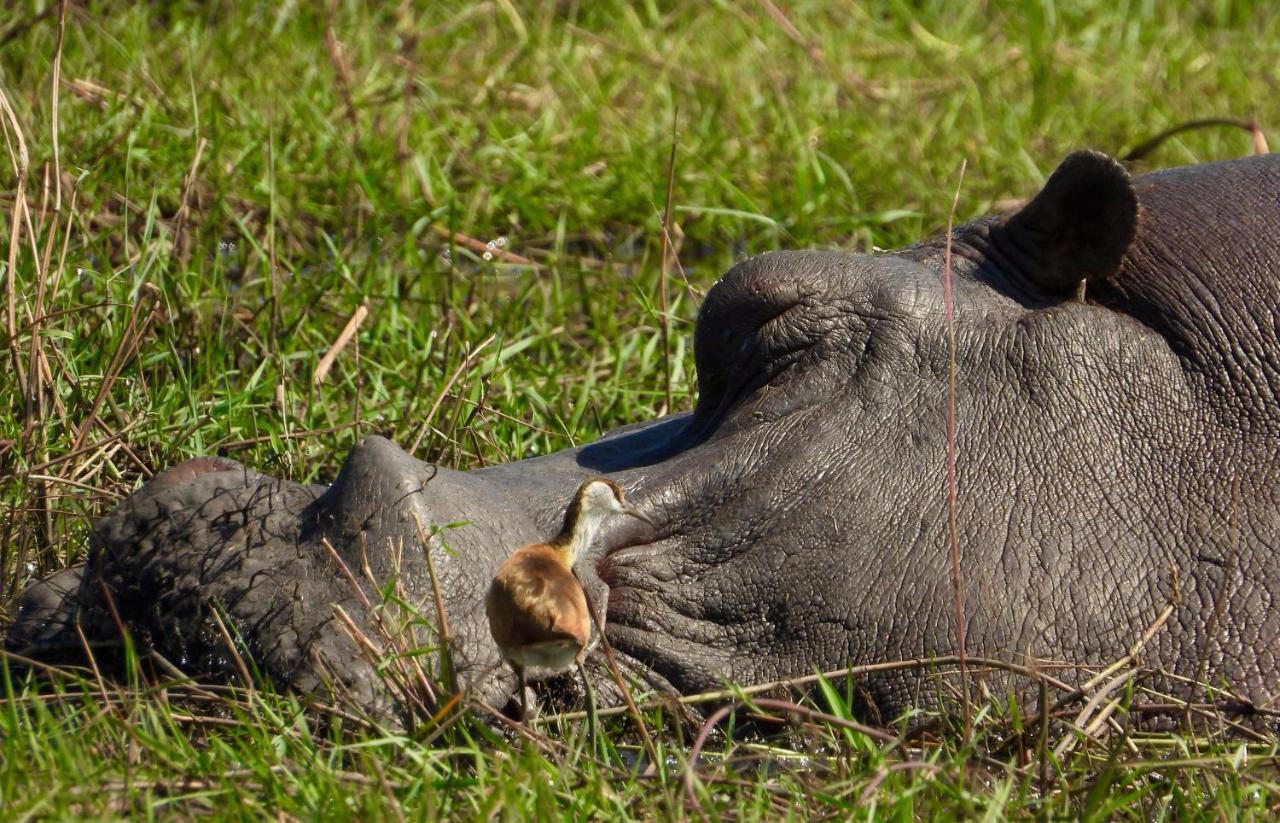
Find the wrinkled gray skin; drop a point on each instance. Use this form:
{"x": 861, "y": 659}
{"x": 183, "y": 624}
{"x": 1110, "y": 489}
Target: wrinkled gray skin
{"x": 1112, "y": 454}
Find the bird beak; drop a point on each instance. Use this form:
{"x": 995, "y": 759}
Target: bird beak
{"x": 638, "y": 516}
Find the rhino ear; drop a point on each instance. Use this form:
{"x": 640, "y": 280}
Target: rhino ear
{"x": 1078, "y": 227}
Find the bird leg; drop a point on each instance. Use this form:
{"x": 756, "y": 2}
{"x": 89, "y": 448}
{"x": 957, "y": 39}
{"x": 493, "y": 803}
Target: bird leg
{"x": 582, "y": 669}
{"x": 592, "y": 733}
{"x": 524, "y": 706}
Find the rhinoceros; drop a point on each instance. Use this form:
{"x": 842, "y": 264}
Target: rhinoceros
{"x": 1117, "y": 432}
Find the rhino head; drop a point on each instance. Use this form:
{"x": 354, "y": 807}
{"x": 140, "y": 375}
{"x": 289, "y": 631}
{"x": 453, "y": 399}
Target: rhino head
{"x": 1115, "y": 367}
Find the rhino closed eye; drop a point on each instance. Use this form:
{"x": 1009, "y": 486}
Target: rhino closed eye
{"x": 769, "y": 322}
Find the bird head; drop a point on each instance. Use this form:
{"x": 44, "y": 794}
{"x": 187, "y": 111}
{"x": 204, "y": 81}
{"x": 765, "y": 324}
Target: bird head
{"x": 596, "y": 501}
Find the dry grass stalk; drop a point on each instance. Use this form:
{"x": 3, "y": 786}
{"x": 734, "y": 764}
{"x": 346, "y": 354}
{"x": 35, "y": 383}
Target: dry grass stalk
{"x": 346, "y": 572}
{"x": 1137, "y": 647}
{"x": 625, "y": 690}
{"x": 1218, "y": 614}
{"x": 715, "y": 696}
{"x": 93, "y": 663}
{"x": 128, "y": 347}
{"x": 250, "y": 442}
{"x": 481, "y": 247}
{"x": 55, "y": 85}
{"x": 690, "y": 771}
{"x": 1042, "y": 743}
{"x": 397, "y": 657}
{"x": 375, "y": 657}
{"x": 664, "y": 264}
{"x": 342, "y": 70}
{"x": 442, "y": 617}
{"x": 19, "y": 162}
{"x": 403, "y": 639}
{"x": 506, "y": 256}
{"x": 848, "y": 79}
{"x": 408, "y": 33}
{"x": 463, "y": 367}
{"x": 181, "y": 240}
{"x": 811, "y": 716}
{"x": 344, "y": 337}
{"x": 953, "y": 531}
{"x": 1106, "y": 684}
{"x": 243, "y": 670}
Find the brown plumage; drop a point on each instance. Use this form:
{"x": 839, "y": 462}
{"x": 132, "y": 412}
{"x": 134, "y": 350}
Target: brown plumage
{"x": 537, "y": 609}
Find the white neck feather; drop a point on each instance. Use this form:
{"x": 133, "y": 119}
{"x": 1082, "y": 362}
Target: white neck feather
{"x": 585, "y": 531}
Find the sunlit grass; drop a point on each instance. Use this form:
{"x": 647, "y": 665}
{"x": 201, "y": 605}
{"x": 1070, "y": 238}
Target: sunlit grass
{"x": 235, "y": 184}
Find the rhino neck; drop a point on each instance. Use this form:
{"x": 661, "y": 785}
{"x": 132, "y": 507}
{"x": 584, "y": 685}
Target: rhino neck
{"x": 1202, "y": 274}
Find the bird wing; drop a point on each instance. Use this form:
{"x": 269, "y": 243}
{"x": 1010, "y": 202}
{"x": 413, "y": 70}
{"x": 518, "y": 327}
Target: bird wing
{"x": 536, "y": 600}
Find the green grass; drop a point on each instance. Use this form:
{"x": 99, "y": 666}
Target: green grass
{"x": 234, "y": 184}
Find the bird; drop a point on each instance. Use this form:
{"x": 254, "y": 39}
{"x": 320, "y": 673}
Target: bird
{"x": 537, "y": 609}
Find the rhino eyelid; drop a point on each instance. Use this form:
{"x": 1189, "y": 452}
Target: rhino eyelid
{"x": 782, "y": 312}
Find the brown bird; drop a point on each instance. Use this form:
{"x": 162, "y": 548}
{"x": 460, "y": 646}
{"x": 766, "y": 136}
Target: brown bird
{"x": 538, "y": 612}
